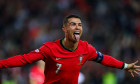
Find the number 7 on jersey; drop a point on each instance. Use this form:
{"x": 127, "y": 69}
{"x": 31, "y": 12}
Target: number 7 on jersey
{"x": 58, "y": 67}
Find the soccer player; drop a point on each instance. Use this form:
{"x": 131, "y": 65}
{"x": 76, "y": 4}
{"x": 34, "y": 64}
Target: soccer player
{"x": 64, "y": 57}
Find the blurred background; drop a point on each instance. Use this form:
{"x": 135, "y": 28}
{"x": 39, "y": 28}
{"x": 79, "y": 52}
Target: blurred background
{"x": 111, "y": 26}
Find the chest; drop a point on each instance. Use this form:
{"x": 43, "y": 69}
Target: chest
{"x": 67, "y": 64}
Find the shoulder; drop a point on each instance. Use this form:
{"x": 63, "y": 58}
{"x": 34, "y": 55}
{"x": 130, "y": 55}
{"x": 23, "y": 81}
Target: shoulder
{"x": 52, "y": 44}
{"x": 83, "y": 43}
{"x": 51, "y": 47}
{"x": 87, "y": 45}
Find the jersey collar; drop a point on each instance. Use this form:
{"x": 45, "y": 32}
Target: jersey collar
{"x": 65, "y": 47}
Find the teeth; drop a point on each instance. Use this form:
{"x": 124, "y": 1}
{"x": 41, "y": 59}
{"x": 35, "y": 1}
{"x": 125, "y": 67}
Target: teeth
{"x": 76, "y": 32}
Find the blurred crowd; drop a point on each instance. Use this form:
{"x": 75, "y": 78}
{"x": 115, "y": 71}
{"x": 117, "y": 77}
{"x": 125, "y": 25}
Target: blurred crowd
{"x": 111, "y": 26}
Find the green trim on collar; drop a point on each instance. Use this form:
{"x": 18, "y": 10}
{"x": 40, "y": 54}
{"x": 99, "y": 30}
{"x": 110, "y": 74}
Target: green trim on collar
{"x": 65, "y": 47}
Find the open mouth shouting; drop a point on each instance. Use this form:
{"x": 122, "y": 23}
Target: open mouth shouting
{"x": 77, "y": 35}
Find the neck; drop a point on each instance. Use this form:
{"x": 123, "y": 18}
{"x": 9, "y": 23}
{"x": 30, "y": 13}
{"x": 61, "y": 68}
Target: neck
{"x": 69, "y": 44}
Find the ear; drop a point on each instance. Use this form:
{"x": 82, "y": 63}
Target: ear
{"x": 64, "y": 29}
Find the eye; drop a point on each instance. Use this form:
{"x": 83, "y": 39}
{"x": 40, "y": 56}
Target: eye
{"x": 72, "y": 24}
{"x": 80, "y": 24}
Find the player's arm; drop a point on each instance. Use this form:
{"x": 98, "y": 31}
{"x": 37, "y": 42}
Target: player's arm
{"x": 112, "y": 62}
{"x": 21, "y": 60}
{"x": 103, "y": 59}
{"x": 108, "y": 61}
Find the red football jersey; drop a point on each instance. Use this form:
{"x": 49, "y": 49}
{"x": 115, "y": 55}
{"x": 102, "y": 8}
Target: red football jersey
{"x": 62, "y": 66}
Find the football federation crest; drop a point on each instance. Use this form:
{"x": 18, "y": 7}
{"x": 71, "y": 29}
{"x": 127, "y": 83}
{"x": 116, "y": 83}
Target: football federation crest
{"x": 80, "y": 59}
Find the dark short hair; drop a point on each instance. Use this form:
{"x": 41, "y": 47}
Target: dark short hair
{"x": 65, "y": 21}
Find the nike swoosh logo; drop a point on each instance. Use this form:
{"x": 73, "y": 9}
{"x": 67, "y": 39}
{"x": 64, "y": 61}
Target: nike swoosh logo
{"x": 58, "y": 58}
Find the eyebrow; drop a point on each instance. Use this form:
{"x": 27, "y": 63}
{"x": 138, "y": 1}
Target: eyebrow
{"x": 75, "y": 22}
